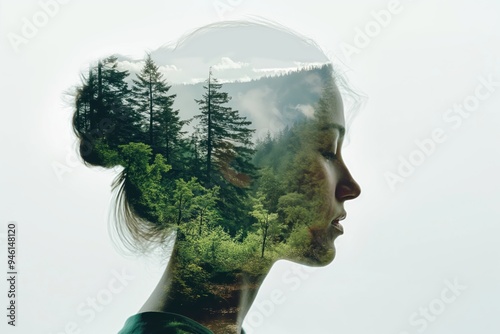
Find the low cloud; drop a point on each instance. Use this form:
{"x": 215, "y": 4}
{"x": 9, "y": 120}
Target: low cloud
{"x": 227, "y": 63}
{"x": 306, "y": 109}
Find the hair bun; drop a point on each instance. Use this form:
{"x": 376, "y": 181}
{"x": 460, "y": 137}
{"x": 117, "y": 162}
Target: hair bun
{"x": 104, "y": 118}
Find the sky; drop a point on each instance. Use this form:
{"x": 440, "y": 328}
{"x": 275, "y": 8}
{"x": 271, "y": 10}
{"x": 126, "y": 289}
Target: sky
{"x": 420, "y": 250}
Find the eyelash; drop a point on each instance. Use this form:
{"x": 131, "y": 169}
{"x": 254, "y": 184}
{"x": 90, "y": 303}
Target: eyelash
{"x": 330, "y": 156}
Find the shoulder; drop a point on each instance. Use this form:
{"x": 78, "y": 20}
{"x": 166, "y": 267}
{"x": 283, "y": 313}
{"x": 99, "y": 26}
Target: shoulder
{"x": 162, "y": 323}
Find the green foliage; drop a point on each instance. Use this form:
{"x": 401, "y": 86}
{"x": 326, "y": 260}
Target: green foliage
{"x": 106, "y": 155}
{"x": 191, "y": 283}
{"x": 145, "y": 179}
{"x": 295, "y": 208}
{"x": 270, "y": 185}
{"x": 299, "y": 241}
{"x": 193, "y": 205}
{"x": 152, "y": 101}
{"x": 115, "y": 104}
{"x": 237, "y": 206}
{"x": 223, "y": 143}
{"x": 103, "y": 110}
{"x": 182, "y": 197}
{"x": 267, "y": 222}
{"x": 204, "y": 208}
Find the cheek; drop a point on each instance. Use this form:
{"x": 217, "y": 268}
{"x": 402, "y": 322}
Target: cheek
{"x": 328, "y": 173}
{"x": 328, "y": 187}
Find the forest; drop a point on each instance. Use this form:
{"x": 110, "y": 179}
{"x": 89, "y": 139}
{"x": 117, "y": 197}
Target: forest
{"x": 237, "y": 204}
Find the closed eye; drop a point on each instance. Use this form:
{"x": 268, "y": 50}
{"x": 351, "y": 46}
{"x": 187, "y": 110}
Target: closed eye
{"x": 329, "y": 155}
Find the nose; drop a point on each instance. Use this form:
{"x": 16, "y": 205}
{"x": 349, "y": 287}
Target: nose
{"x": 347, "y": 187}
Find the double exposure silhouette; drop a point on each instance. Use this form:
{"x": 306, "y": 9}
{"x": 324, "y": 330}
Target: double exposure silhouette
{"x": 242, "y": 168}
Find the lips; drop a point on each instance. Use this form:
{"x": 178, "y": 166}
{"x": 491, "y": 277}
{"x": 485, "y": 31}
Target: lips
{"x": 337, "y": 226}
{"x": 335, "y": 223}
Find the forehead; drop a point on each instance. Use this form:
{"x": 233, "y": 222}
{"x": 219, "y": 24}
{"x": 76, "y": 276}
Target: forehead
{"x": 330, "y": 107}
{"x": 329, "y": 110}
{"x": 276, "y": 103}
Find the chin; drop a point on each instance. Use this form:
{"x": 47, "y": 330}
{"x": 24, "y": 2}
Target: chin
{"x": 321, "y": 250}
{"x": 318, "y": 249}
{"x": 320, "y": 257}
{"x": 317, "y": 255}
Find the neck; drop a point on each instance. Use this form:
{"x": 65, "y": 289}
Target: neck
{"x": 219, "y": 302}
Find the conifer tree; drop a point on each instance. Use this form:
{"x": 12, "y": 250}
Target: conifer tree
{"x": 114, "y": 99}
{"x": 226, "y": 152}
{"x": 103, "y": 109}
{"x": 153, "y": 102}
{"x": 225, "y": 138}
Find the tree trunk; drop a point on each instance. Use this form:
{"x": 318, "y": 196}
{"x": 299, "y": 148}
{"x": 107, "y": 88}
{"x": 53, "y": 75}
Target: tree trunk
{"x": 209, "y": 134}
{"x": 264, "y": 237}
{"x": 201, "y": 223}
{"x": 150, "y": 112}
{"x": 179, "y": 217}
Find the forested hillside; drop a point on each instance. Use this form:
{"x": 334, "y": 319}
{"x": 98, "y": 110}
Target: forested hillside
{"x": 193, "y": 162}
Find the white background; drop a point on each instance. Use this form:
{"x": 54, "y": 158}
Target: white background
{"x": 401, "y": 245}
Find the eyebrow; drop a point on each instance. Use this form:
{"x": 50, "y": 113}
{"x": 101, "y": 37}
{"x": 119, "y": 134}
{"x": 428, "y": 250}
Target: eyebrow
{"x": 334, "y": 126}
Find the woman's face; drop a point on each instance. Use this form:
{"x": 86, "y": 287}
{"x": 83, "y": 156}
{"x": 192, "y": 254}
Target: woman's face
{"x": 339, "y": 184}
{"x": 294, "y": 206}
{"x": 329, "y": 182}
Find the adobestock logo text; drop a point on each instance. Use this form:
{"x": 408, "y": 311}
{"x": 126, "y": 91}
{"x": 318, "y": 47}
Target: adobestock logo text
{"x": 30, "y": 26}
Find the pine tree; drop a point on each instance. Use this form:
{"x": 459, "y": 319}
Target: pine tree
{"x": 114, "y": 100}
{"x": 226, "y": 151}
{"x": 153, "y": 102}
{"x": 103, "y": 110}
{"x": 266, "y": 221}
{"x": 85, "y": 104}
{"x": 192, "y": 155}
{"x": 225, "y": 138}
{"x": 169, "y": 135}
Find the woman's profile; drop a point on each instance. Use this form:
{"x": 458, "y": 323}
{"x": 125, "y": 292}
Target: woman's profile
{"x": 230, "y": 144}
